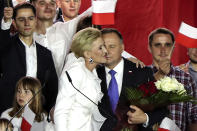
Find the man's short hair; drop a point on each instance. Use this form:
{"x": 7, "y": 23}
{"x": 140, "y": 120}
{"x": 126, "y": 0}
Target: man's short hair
{"x": 25, "y": 5}
{"x": 112, "y": 30}
{"x": 160, "y": 31}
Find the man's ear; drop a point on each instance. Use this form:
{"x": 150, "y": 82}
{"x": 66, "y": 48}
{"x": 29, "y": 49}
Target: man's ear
{"x": 149, "y": 49}
{"x": 14, "y": 24}
{"x": 122, "y": 46}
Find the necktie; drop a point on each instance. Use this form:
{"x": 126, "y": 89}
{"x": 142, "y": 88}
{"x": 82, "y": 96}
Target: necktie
{"x": 113, "y": 91}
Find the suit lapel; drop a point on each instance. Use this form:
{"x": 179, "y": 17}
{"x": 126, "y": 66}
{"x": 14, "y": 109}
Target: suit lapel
{"x": 127, "y": 73}
{"x": 105, "y": 102}
{"x": 41, "y": 61}
{"x": 22, "y": 53}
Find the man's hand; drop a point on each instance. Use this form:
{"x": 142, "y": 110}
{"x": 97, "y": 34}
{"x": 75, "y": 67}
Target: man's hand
{"x": 8, "y": 13}
{"x": 163, "y": 69}
{"x": 164, "y": 66}
{"x": 184, "y": 67}
{"x": 136, "y": 117}
{"x": 137, "y": 62}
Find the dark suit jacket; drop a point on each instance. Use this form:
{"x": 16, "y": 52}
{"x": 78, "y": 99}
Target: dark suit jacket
{"x": 132, "y": 77}
{"x": 13, "y": 67}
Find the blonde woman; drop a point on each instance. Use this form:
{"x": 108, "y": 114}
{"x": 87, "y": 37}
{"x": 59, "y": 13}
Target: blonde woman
{"x": 73, "y": 111}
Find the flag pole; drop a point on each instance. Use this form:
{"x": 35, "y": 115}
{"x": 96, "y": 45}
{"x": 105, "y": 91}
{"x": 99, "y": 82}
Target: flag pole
{"x": 8, "y": 3}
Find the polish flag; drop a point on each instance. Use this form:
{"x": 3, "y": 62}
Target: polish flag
{"x": 187, "y": 36}
{"x": 103, "y": 12}
{"x": 28, "y": 119}
{"x": 168, "y": 125}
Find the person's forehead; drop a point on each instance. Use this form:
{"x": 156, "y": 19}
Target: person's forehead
{"x": 25, "y": 11}
{"x": 162, "y": 37}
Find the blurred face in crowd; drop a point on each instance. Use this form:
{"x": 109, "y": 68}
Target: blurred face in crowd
{"x": 192, "y": 52}
{"x": 70, "y": 8}
{"x": 46, "y": 9}
{"x": 23, "y": 95}
{"x": 161, "y": 47}
{"x": 25, "y": 22}
{"x": 98, "y": 51}
{"x": 114, "y": 48}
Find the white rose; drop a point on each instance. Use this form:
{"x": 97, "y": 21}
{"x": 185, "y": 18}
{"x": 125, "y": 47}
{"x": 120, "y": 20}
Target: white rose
{"x": 168, "y": 84}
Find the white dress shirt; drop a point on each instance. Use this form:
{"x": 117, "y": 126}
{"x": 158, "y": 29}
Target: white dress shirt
{"x": 31, "y": 59}
{"x": 119, "y": 75}
{"x": 16, "y": 122}
{"x": 57, "y": 39}
{"x": 73, "y": 111}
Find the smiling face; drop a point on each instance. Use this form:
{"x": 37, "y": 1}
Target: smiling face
{"x": 70, "y": 8}
{"x": 161, "y": 47}
{"x": 46, "y": 9}
{"x": 25, "y": 22}
{"x": 114, "y": 47}
{"x": 192, "y": 52}
{"x": 23, "y": 95}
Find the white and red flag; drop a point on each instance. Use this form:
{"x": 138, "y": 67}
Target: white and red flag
{"x": 28, "y": 119}
{"x": 103, "y": 12}
{"x": 168, "y": 125}
{"x": 187, "y": 36}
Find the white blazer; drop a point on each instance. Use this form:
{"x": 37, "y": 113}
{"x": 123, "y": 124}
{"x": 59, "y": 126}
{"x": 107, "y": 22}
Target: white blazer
{"x": 73, "y": 111}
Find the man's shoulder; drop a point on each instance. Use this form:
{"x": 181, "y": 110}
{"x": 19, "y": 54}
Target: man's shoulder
{"x": 130, "y": 65}
{"x": 40, "y": 47}
{"x": 178, "y": 72}
{"x": 182, "y": 76}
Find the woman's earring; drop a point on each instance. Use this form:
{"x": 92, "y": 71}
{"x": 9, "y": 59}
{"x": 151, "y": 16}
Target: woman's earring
{"x": 91, "y": 60}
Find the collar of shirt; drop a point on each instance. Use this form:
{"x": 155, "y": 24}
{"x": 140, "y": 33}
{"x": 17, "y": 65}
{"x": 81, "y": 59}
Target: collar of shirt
{"x": 26, "y": 46}
{"x": 119, "y": 74}
{"x": 154, "y": 68}
{"x": 31, "y": 59}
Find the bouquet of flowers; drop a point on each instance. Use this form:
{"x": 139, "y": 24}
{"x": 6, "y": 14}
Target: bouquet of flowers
{"x": 160, "y": 93}
{"x": 152, "y": 95}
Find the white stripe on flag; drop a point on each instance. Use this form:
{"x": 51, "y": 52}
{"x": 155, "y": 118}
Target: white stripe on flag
{"x": 104, "y": 6}
{"x": 29, "y": 115}
{"x": 169, "y": 124}
{"x": 188, "y": 30}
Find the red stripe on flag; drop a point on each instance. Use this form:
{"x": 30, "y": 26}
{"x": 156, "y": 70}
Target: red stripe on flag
{"x": 25, "y": 126}
{"x": 162, "y": 129}
{"x": 186, "y": 41}
{"x": 103, "y": 18}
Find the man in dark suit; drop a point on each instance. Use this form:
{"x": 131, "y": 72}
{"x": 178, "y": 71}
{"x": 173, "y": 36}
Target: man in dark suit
{"x": 21, "y": 56}
{"x": 126, "y": 75}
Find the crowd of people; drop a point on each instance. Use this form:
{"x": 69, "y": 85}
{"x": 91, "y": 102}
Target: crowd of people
{"x": 73, "y": 75}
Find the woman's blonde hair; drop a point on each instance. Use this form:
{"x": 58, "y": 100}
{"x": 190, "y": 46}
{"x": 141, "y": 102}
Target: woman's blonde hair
{"x": 34, "y": 86}
{"x": 4, "y": 123}
{"x": 82, "y": 40}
